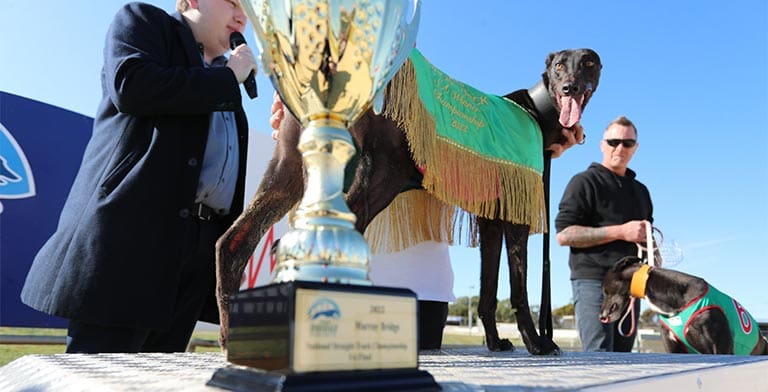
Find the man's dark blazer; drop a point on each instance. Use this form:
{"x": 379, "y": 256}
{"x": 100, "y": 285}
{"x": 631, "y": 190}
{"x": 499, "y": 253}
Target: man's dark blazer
{"x": 115, "y": 258}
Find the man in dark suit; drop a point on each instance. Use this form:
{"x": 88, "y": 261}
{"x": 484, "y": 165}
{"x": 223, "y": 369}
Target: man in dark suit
{"x": 131, "y": 264}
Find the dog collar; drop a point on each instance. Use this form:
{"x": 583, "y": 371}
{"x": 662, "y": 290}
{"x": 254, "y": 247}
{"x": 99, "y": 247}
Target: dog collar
{"x": 548, "y": 114}
{"x": 639, "y": 279}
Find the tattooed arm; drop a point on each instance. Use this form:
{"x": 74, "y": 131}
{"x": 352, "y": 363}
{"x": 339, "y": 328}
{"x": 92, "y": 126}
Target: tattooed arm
{"x": 586, "y": 237}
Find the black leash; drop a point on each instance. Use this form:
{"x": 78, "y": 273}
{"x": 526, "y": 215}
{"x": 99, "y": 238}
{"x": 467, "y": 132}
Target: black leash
{"x": 547, "y": 117}
{"x": 545, "y": 311}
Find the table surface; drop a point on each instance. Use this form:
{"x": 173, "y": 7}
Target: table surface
{"x": 455, "y": 369}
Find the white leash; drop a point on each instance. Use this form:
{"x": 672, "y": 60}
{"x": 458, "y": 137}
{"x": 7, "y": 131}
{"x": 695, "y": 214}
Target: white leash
{"x": 649, "y": 245}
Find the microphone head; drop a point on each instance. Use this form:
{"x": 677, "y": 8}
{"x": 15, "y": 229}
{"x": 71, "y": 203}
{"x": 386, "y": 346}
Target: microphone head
{"x": 236, "y": 39}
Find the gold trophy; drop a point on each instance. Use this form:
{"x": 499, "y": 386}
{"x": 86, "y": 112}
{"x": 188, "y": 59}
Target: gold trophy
{"x": 321, "y": 323}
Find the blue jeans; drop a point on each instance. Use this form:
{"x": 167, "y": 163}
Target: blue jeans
{"x": 594, "y": 335}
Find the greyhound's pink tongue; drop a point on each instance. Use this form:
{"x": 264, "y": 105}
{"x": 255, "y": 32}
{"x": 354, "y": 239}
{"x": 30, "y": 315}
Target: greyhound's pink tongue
{"x": 570, "y": 112}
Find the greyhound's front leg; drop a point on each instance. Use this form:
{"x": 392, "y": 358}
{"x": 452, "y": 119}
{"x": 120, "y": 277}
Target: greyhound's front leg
{"x": 516, "y": 238}
{"x": 490, "y": 253}
{"x": 281, "y": 188}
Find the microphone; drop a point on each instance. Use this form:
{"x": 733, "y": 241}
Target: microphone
{"x": 236, "y": 39}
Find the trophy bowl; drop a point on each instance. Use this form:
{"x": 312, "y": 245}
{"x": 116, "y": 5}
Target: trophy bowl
{"x": 329, "y": 58}
{"x": 330, "y": 61}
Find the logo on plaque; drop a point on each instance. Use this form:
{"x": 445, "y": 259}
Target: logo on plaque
{"x": 324, "y": 314}
{"x": 324, "y": 308}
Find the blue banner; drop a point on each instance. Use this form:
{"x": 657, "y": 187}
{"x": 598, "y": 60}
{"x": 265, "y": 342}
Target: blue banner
{"x": 41, "y": 147}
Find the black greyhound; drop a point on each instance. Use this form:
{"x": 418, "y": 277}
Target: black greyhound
{"x": 568, "y": 81}
{"x": 716, "y": 320}
{"x": 386, "y": 167}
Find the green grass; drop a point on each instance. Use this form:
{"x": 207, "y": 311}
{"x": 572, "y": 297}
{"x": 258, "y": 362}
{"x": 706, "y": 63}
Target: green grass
{"x": 33, "y": 331}
{"x": 10, "y": 352}
{"x": 463, "y": 340}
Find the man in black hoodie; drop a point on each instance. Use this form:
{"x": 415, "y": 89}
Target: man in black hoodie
{"x": 602, "y": 217}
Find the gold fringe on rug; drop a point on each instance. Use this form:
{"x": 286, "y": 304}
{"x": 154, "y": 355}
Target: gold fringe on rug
{"x": 404, "y": 107}
{"x": 483, "y": 186}
{"x": 416, "y": 216}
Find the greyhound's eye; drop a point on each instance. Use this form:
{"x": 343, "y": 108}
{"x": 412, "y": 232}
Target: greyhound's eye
{"x": 559, "y": 66}
{"x": 589, "y": 63}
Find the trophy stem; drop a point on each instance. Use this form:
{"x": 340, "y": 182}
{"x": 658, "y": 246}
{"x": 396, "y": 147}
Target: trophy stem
{"x": 323, "y": 245}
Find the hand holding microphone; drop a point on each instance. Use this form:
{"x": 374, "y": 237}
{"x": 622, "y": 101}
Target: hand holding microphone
{"x": 242, "y": 63}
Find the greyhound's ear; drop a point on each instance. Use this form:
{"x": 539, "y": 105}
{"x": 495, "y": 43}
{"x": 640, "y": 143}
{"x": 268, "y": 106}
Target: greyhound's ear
{"x": 626, "y": 262}
{"x": 597, "y": 58}
{"x": 550, "y": 57}
{"x": 548, "y": 64}
{"x": 623, "y": 267}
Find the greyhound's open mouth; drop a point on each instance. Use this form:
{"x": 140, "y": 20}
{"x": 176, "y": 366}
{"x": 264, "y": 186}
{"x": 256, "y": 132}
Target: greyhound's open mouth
{"x": 571, "y": 108}
{"x": 607, "y": 319}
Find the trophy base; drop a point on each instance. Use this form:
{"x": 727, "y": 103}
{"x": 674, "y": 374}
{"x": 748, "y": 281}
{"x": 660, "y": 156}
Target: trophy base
{"x": 301, "y": 333}
{"x": 240, "y": 378}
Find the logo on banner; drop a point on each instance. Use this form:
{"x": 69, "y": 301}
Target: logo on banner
{"x": 16, "y": 180}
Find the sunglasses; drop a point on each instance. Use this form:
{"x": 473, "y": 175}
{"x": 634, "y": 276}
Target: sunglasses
{"x": 627, "y": 143}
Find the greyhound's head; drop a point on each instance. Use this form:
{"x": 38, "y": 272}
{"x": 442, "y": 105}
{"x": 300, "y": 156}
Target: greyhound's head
{"x": 616, "y": 288}
{"x": 571, "y": 77}
{"x": 568, "y": 82}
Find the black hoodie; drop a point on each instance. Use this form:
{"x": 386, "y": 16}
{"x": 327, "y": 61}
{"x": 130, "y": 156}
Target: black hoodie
{"x": 599, "y": 197}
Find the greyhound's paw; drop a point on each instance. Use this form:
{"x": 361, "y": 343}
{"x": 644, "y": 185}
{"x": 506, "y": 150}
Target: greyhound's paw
{"x": 544, "y": 346}
{"x": 499, "y": 345}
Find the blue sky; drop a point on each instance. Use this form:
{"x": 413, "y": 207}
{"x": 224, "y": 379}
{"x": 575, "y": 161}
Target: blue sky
{"x": 692, "y": 75}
